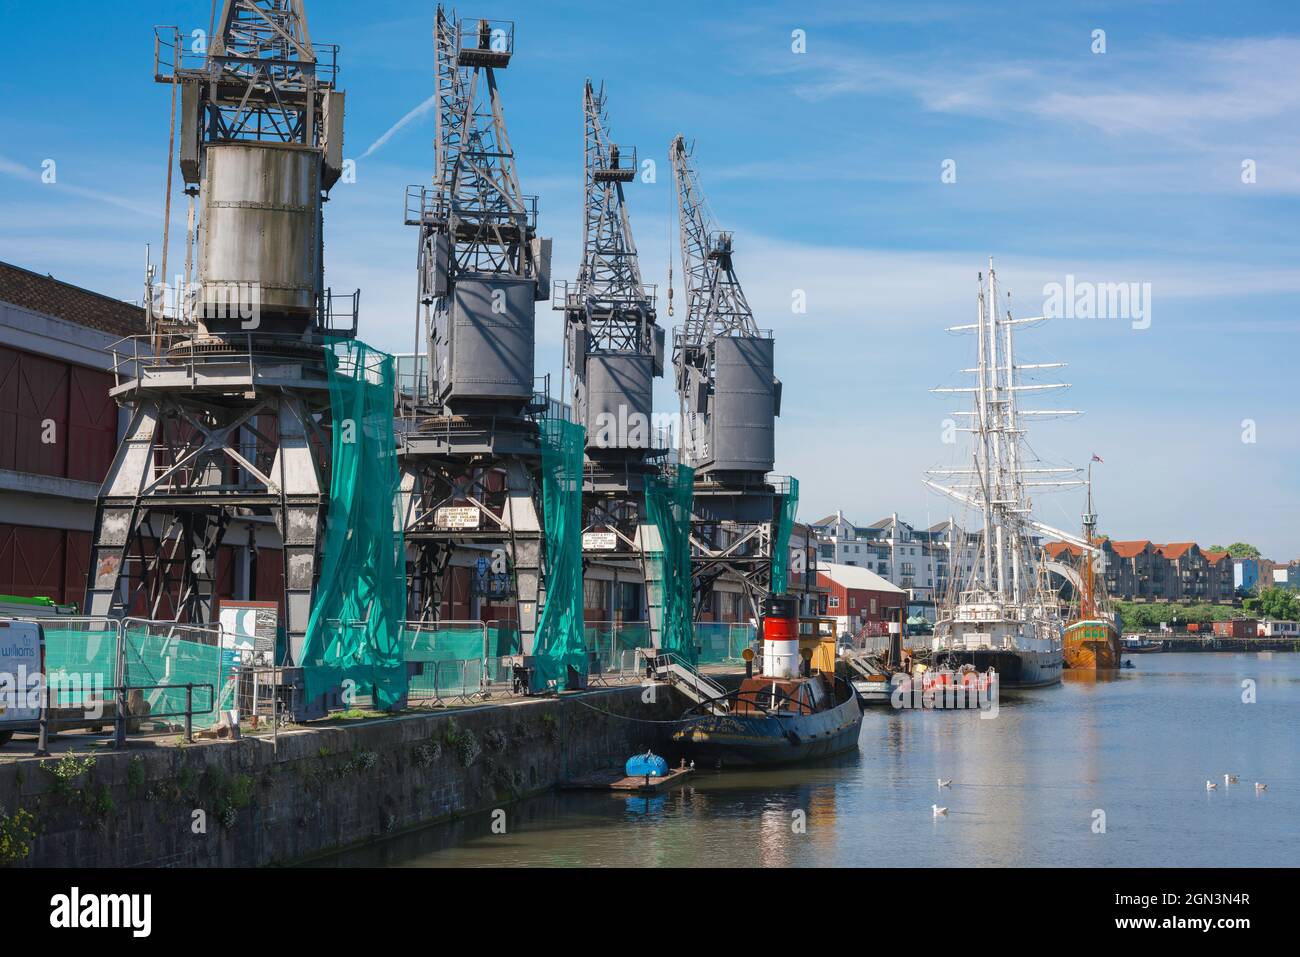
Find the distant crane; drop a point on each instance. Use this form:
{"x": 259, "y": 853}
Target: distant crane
{"x": 469, "y": 447}
{"x": 729, "y": 400}
{"x": 614, "y": 350}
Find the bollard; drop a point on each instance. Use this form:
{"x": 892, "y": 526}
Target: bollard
{"x": 189, "y": 713}
{"x": 119, "y": 719}
{"x": 43, "y": 738}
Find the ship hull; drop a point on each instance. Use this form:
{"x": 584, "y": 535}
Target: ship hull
{"x": 1092, "y": 645}
{"x": 1015, "y": 669}
{"x": 738, "y": 740}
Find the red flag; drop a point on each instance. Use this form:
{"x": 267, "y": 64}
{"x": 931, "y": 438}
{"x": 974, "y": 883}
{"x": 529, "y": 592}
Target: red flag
{"x": 1097, "y": 458}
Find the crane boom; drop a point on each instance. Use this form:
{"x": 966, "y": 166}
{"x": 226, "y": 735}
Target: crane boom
{"x": 722, "y": 361}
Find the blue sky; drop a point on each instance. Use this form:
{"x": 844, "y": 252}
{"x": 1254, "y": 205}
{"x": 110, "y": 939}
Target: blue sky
{"x": 1123, "y": 166}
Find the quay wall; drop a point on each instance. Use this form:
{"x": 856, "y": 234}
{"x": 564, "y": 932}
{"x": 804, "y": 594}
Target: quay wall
{"x": 321, "y": 789}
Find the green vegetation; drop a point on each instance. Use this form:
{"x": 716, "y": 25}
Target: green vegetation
{"x": 1236, "y": 550}
{"x": 135, "y": 775}
{"x": 66, "y": 770}
{"x": 229, "y": 794}
{"x": 1148, "y": 617}
{"x": 462, "y": 742}
{"x": 16, "y": 833}
{"x": 424, "y": 755}
{"x": 362, "y": 761}
{"x": 550, "y": 727}
{"x": 1277, "y": 604}
{"x": 359, "y": 714}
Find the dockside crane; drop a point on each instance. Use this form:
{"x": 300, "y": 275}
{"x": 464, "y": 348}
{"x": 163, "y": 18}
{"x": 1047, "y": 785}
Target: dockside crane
{"x": 469, "y": 446}
{"x": 227, "y": 392}
{"x": 614, "y": 350}
{"x": 729, "y": 400}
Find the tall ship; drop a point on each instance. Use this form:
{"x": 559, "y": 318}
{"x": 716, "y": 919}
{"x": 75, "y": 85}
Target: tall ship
{"x": 1092, "y": 637}
{"x": 1002, "y": 616}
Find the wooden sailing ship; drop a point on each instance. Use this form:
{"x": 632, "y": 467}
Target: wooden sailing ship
{"x": 1092, "y": 636}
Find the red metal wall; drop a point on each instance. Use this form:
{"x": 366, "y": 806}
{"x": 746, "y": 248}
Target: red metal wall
{"x": 73, "y": 399}
{"x": 34, "y": 562}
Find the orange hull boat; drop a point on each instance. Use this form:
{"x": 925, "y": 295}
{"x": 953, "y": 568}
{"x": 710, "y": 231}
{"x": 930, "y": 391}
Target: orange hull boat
{"x": 1092, "y": 645}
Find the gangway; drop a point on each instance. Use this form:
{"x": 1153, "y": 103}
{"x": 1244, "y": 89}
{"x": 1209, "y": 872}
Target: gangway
{"x": 669, "y": 667}
{"x": 864, "y": 664}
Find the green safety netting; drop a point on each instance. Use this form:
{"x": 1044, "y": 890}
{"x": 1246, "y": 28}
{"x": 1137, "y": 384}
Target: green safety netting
{"x": 459, "y": 656}
{"x": 559, "y": 642}
{"x": 615, "y": 643}
{"x": 669, "y": 500}
{"x": 452, "y": 654}
{"x": 789, "y": 505}
{"x": 80, "y": 661}
{"x": 722, "y": 642}
{"x": 355, "y": 630}
{"x": 161, "y": 659}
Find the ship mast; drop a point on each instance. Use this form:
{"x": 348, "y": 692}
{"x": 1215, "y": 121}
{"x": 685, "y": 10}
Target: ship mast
{"x": 998, "y": 484}
{"x": 1088, "y": 605}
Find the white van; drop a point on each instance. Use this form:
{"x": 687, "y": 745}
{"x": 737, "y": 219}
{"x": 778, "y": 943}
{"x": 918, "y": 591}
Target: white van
{"x": 22, "y": 662}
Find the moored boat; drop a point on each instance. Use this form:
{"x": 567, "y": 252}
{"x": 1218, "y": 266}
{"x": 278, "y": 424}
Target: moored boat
{"x": 1092, "y": 644}
{"x": 796, "y": 709}
{"x": 1137, "y": 645}
{"x": 1092, "y": 637}
{"x": 999, "y": 612}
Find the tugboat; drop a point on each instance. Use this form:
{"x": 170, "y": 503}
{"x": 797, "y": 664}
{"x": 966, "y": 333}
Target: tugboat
{"x": 795, "y": 709}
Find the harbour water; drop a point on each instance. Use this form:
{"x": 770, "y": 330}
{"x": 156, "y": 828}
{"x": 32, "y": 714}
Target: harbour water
{"x": 1027, "y": 786}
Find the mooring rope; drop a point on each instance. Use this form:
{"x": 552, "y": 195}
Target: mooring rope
{"x": 626, "y": 717}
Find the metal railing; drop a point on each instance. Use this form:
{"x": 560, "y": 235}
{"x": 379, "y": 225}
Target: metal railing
{"x": 174, "y": 54}
{"x": 662, "y": 663}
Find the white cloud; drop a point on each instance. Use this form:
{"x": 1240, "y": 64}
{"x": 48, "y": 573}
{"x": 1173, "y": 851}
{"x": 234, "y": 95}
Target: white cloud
{"x": 422, "y": 110}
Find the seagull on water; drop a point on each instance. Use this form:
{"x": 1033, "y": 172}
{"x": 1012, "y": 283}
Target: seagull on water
{"x": 945, "y": 784}
{"x": 1210, "y": 785}
{"x": 1260, "y": 787}
{"x": 1230, "y": 779}
{"x": 939, "y": 811}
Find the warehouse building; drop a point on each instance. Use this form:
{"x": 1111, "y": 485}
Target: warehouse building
{"x": 58, "y": 427}
{"x": 59, "y": 433}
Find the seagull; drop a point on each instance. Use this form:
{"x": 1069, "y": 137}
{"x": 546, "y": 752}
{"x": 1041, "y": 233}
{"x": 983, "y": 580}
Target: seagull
{"x": 1260, "y": 787}
{"x": 945, "y": 784}
{"x": 1210, "y": 785}
{"x": 939, "y": 811}
{"x": 1229, "y": 779}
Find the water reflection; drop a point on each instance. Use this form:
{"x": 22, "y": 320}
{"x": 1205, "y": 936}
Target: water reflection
{"x": 1137, "y": 744}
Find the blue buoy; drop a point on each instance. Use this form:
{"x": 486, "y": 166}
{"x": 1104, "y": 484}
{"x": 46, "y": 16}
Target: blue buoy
{"x": 646, "y": 765}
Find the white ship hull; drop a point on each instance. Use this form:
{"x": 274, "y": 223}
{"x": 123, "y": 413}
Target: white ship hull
{"x": 1023, "y": 656}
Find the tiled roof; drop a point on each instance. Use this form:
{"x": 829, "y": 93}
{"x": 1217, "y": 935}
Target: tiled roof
{"x": 1214, "y": 557}
{"x": 1057, "y": 549}
{"x": 1175, "y": 549}
{"x": 1129, "y": 549}
{"x": 53, "y": 297}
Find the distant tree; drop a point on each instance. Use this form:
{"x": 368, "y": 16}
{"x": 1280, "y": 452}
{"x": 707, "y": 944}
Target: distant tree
{"x": 1278, "y": 604}
{"x": 1148, "y": 616}
{"x": 1238, "y": 550}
